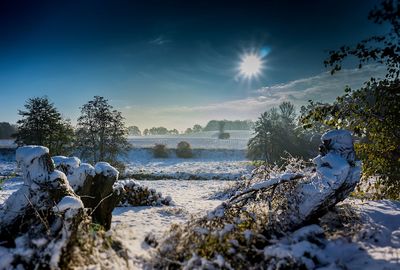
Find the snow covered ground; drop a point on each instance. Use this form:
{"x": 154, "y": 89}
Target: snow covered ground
{"x": 202, "y": 140}
{"x": 132, "y": 224}
{"x": 376, "y": 245}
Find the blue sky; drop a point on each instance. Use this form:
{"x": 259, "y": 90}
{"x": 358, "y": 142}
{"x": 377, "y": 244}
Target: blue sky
{"x": 175, "y": 63}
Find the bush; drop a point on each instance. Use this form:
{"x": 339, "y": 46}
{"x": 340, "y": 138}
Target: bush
{"x": 183, "y": 150}
{"x": 224, "y": 135}
{"x": 160, "y": 151}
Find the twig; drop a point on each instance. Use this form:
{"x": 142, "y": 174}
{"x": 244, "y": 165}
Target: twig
{"x": 87, "y": 196}
{"x": 273, "y": 185}
{"x": 38, "y": 214}
{"x": 108, "y": 196}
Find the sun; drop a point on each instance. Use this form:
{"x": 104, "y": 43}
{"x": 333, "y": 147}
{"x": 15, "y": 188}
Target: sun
{"x": 250, "y": 65}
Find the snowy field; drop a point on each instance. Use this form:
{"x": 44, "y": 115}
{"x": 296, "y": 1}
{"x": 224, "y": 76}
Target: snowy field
{"x": 207, "y": 164}
{"x": 376, "y": 245}
{"x": 202, "y": 140}
{"x": 213, "y": 158}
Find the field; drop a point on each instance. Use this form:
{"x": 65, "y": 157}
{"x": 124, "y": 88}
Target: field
{"x": 193, "y": 183}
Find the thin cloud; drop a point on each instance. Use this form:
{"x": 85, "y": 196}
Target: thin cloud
{"x": 322, "y": 87}
{"x": 160, "y": 40}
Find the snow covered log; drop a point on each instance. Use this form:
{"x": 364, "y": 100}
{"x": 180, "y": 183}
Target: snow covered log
{"x": 271, "y": 207}
{"x": 335, "y": 177}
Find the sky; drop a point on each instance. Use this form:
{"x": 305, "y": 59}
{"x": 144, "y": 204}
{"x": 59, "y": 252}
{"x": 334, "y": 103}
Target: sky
{"x": 176, "y": 63}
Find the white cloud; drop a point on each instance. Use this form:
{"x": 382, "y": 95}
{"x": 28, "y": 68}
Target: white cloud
{"x": 322, "y": 87}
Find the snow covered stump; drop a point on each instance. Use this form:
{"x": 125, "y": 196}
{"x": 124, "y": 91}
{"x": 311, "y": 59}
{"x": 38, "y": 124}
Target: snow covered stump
{"x": 93, "y": 184}
{"x": 104, "y": 200}
{"x": 243, "y": 232}
{"x": 38, "y": 222}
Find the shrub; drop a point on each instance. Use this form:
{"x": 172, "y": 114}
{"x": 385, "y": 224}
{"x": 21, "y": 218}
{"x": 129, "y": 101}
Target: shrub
{"x": 224, "y": 135}
{"x": 183, "y": 150}
{"x": 160, "y": 151}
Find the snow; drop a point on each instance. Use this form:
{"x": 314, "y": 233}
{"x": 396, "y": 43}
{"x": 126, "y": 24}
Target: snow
{"x": 132, "y": 224}
{"x": 26, "y": 154}
{"x": 68, "y": 202}
{"x": 75, "y": 170}
{"x": 70, "y": 163}
{"x": 105, "y": 169}
{"x": 5, "y": 143}
{"x": 375, "y": 246}
{"x": 187, "y": 170}
{"x": 78, "y": 176}
{"x": 202, "y": 140}
{"x": 28, "y": 159}
{"x": 224, "y": 164}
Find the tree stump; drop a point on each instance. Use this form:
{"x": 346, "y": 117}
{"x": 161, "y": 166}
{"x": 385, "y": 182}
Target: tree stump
{"x": 42, "y": 217}
{"x": 93, "y": 184}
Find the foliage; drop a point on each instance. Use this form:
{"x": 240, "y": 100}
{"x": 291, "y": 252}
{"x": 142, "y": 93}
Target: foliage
{"x": 7, "y": 130}
{"x": 173, "y": 131}
{"x": 134, "y": 131}
{"x": 42, "y": 124}
{"x": 160, "y": 151}
{"x": 183, "y": 150}
{"x": 276, "y": 133}
{"x": 371, "y": 112}
{"x": 214, "y": 125}
{"x": 196, "y": 129}
{"x": 101, "y": 133}
{"x": 160, "y": 131}
{"x": 383, "y": 49}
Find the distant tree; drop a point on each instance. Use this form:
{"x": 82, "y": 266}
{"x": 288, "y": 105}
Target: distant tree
{"x": 222, "y": 134}
{"x": 7, "y": 130}
{"x": 158, "y": 131}
{"x": 101, "y": 133}
{"x": 372, "y": 112}
{"x": 134, "y": 131}
{"x": 146, "y": 132}
{"x": 173, "y": 131}
{"x": 276, "y": 134}
{"x": 42, "y": 124}
{"x": 188, "y": 131}
{"x": 213, "y": 125}
{"x": 197, "y": 128}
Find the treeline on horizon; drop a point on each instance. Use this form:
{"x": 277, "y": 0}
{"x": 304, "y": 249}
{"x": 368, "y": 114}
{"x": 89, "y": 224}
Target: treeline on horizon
{"x": 7, "y": 129}
{"x": 212, "y": 125}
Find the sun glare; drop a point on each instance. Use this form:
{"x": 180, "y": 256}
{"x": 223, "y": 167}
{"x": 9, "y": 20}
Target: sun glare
{"x": 251, "y": 65}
